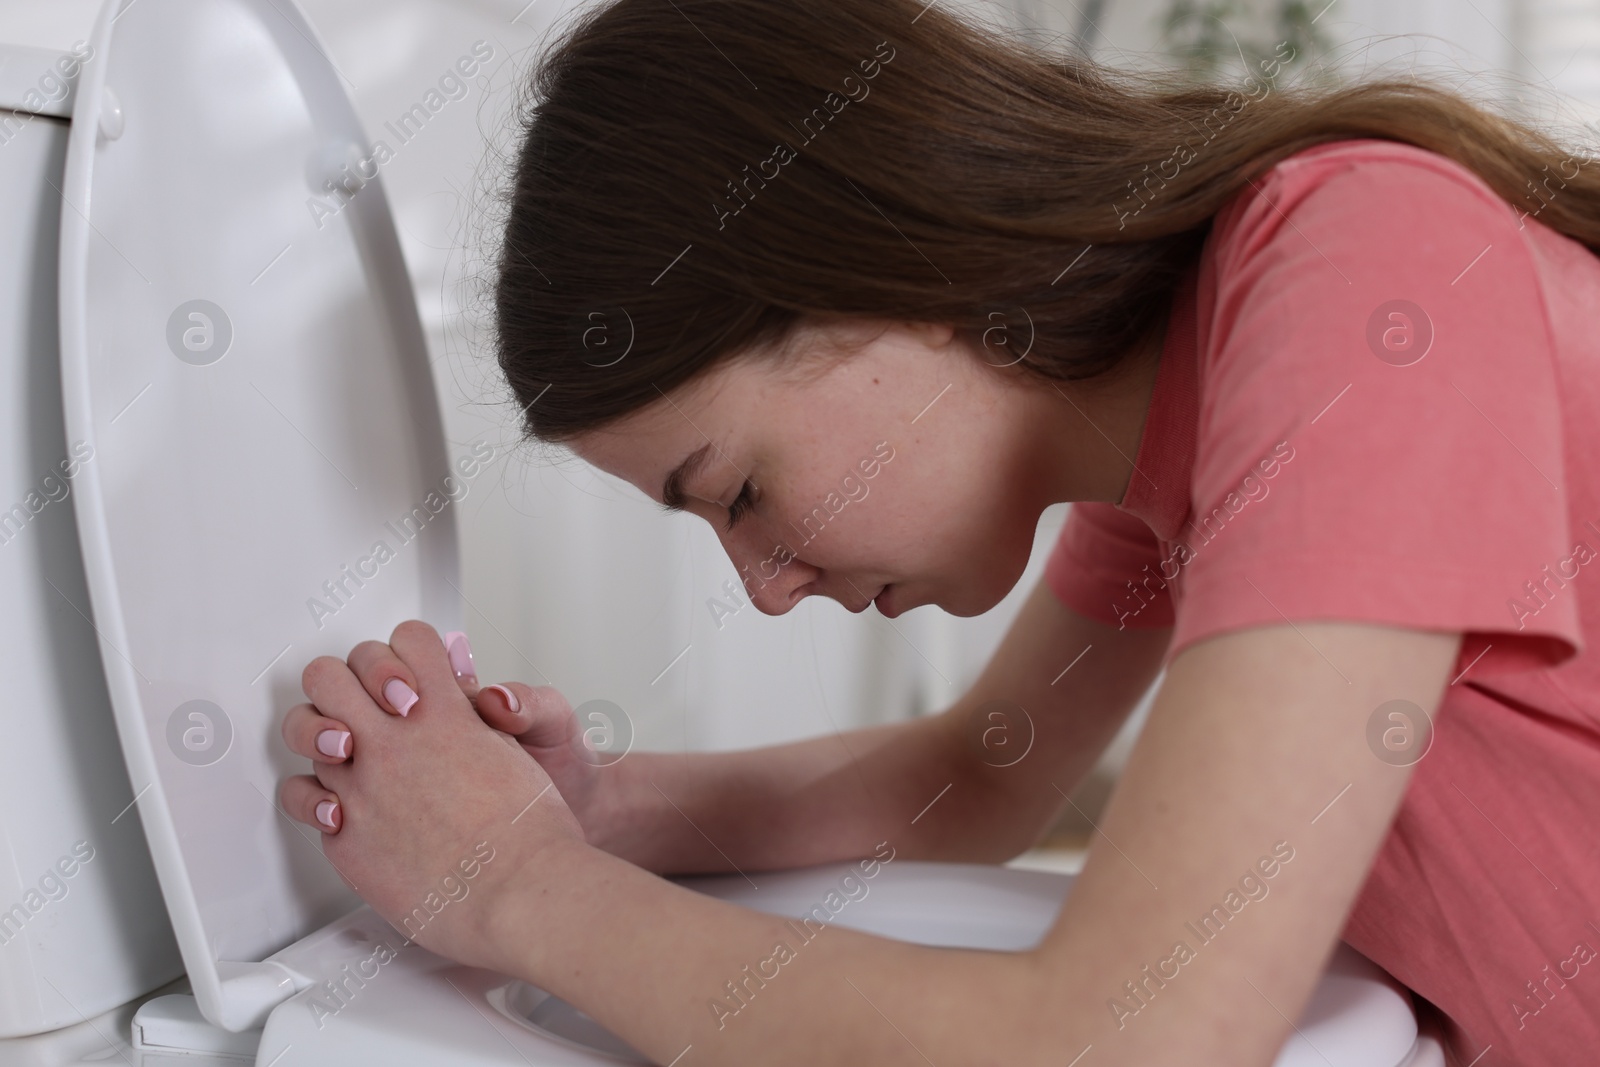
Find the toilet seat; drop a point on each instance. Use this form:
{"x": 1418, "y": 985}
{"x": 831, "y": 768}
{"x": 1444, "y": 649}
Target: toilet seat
{"x": 240, "y": 345}
{"x": 241, "y": 348}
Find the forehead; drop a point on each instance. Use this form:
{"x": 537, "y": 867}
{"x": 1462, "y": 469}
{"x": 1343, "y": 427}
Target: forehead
{"x": 728, "y": 400}
{"x": 643, "y": 447}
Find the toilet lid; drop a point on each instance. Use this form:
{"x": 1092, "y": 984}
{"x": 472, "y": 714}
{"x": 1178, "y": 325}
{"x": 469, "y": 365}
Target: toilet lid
{"x": 269, "y": 479}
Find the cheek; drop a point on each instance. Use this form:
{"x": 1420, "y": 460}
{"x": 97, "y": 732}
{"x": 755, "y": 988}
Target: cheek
{"x": 971, "y": 539}
{"x": 821, "y": 522}
{"x": 753, "y": 539}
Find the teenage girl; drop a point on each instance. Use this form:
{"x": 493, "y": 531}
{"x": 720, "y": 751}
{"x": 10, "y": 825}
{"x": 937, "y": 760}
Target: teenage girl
{"x": 1319, "y": 372}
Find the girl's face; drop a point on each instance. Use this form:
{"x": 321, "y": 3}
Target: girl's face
{"x": 902, "y": 471}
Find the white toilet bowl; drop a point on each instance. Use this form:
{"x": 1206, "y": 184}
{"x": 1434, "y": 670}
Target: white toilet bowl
{"x": 428, "y": 1010}
{"x": 246, "y": 393}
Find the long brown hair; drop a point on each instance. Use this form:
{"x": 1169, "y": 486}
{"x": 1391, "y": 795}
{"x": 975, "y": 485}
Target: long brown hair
{"x": 697, "y": 176}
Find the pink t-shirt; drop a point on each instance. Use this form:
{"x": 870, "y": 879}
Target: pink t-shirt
{"x": 1379, "y": 400}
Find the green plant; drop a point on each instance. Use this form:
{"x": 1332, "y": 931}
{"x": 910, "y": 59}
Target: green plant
{"x": 1217, "y": 40}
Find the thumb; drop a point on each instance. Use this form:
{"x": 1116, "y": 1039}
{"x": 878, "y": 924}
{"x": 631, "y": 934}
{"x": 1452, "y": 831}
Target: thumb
{"x": 538, "y": 717}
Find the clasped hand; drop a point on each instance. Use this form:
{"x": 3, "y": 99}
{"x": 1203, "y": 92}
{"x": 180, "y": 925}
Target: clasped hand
{"x": 419, "y": 774}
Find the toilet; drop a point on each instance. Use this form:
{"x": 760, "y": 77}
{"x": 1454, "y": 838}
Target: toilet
{"x": 223, "y": 455}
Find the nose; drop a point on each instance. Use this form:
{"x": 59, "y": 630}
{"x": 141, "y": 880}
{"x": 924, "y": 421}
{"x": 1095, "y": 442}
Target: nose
{"x": 773, "y": 575}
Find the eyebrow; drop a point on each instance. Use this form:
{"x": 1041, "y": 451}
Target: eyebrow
{"x": 672, "y": 492}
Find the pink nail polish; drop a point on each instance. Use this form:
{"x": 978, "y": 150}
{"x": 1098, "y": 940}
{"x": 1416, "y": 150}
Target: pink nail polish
{"x": 399, "y": 695}
{"x": 325, "y": 812}
{"x": 460, "y": 655}
{"x": 335, "y": 743}
{"x": 511, "y": 698}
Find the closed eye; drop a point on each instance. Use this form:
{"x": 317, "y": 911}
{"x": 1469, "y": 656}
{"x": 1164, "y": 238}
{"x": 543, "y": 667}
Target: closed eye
{"x": 741, "y": 506}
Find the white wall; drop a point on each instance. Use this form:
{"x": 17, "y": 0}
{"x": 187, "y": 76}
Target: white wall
{"x": 579, "y": 581}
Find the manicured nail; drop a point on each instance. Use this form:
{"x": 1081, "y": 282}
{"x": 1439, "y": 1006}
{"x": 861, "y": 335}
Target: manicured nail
{"x": 399, "y": 695}
{"x": 335, "y": 743}
{"x": 511, "y": 698}
{"x": 460, "y": 655}
{"x": 325, "y": 813}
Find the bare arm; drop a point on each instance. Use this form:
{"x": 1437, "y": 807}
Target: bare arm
{"x": 1256, "y": 747}
{"x": 836, "y": 797}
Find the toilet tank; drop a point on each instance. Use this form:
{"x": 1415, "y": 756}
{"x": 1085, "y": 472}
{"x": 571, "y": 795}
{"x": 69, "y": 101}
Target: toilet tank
{"x": 82, "y": 923}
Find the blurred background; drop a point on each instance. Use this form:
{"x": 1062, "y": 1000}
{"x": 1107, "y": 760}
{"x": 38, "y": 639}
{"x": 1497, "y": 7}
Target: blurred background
{"x": 576, "y": 580}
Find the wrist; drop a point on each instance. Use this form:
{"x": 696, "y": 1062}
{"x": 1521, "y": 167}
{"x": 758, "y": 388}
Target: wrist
{"x": 515, "y": 929}
{"x": 631, "y": 822}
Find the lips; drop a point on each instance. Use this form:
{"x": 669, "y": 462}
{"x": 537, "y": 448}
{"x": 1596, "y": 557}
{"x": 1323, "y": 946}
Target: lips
{"x": 881, "y": 601}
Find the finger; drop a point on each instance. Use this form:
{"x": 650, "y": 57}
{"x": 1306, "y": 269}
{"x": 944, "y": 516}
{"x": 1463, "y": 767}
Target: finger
{"x": 460, "y": 653}
{"x": 313, "y": 735}
{"x": 387, "y": 680}
{"x": 338, "y": 694}
{"x": 420, "y": 647}
{"x": 304, "y": 798}
{"x": 540, "y": 716}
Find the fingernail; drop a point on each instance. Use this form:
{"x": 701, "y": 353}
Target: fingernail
{"x": 335, "y": 743}
{"x": 399, "y": 695}
{"x": 325, "y": 812}
{"x": 511, "y": 698}
{"x": 460, "y": 655}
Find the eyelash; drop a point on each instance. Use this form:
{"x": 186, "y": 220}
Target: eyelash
{"x": 741, "y": 506}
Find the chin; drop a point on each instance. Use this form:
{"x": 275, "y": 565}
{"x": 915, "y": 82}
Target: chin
{"x": 974, "y": 596}
{"x": 968, "y": 610}
{"x": 970, "y": 604}
{"x": 983, "y": 596}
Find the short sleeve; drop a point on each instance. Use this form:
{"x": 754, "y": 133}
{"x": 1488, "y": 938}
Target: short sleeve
{"x": 1099, "y": 551}
{"x": 1378, "y": 335}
